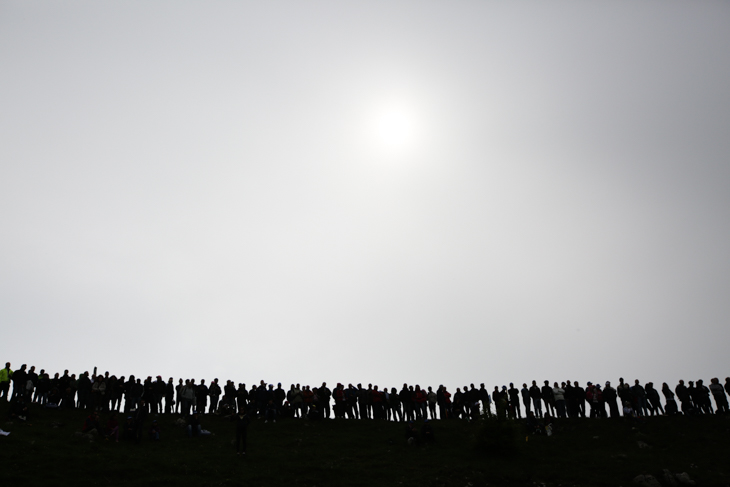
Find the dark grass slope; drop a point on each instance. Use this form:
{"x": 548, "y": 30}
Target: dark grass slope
{"x": 352, "y": 453}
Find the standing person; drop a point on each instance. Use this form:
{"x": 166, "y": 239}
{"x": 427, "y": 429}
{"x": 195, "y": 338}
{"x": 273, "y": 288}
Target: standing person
{"x": 307, "y": 400}
{"x": 525, "y": 392}
{"x": 405, "y": 399}
{"x": 598, "y": 405}
{"x": 639, "y": 395}
{"x": 6, "y": 375}
{"x": 377, "y": 403}
{"x": 609, "y": 396}
{"x": 474, "y": 401}
{"x": 324, "y": 400}
{"x": 201, "y": 397}
{"x": 339, "y": 396}
{"x": 159, "y": 388}
{"x": 547, "y": 397}
{"x": 112, "y": 392}
{"x": 580, "y": 399}
{"x": 178, "y": 395}
{"x": 242, "y": 422}
{"x": 559, "y": 396}
{"x": 148, "y": 393}
{"x": 241, "y": 397}
{"x": 351, "y": 396}
{"x": 169, "y": 396}
{"x": 188, "y": 398}
{"x": 73, "y": 386}
{"x": 692, "y": 393}
{"x": 669, "y": 398}
{"x": 419, "y": 401}
{"x": 447, "y": 404}
{"x": 139, "y": 418}
{"x": 624, "y": 391}
{"x": 129, "y": 400}
{"x": 31, "y": 382}
{"x": 501, "y": 402}
{"x": 262, "y": 397}
{"x": 138, "y": 394}
{"x": 514, "y": 399}
{"x": 362, "y": 402}
{"x": 369, "y": 402}
{"x": 42, "y": 388}
{"x": 432, "y": 399}
{"x": 652, "y": 396}
{"x": 215, "y": 393}
{"x": 296, "y": 399}
{"x": 683, "y": 395}
{"x": 229, "y": 395}
{"x": 570, "y": 403}
{"x": 98, "y": 391}
{"x": 718, "y": 393}
{"x": 458, "y": 406}
{"x": 703, "y": 397}
{"x": 279, "y": 397}
{"x": 397, "y": 414}
{"x": 536, "y": 397}
{"x": 19, "y": 381}
{"x": 486, "y": 400}
{"x": 589, "y": 397}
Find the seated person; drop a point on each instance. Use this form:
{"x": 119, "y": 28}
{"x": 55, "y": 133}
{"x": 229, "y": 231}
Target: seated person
{"x": 19, "y": 409}
{"x": 54, "y": 398}
{"x": 194, "y": 428}
{"x": 412, "y": 436}
{"x": 91, "y": 424}
{"x": 628, "y": 410}
{"x": 427, "y": 431}
{"x": 112, "y": 427}
{"x": 270, "y": 412}
{"x": 534, "y": 427}
{"x": 128, "y": 433}
{"x": 314, "y": 413}
{"x": 286, "y": 410}
{"x": 155, "y": 431}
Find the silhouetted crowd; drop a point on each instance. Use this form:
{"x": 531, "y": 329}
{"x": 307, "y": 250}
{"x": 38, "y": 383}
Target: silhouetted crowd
{"x": 107, "y": 393}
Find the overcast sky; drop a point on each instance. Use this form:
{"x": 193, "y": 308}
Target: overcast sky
{"x": 385, "y": 192}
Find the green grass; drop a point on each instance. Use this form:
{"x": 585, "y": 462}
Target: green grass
{"x": 352, "y": 453}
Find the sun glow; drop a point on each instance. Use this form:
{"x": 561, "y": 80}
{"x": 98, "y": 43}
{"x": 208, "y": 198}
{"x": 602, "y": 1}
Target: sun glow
{"x": 394, "y": 130}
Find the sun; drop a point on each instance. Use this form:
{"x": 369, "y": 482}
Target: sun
{"x": 393, "y": 129}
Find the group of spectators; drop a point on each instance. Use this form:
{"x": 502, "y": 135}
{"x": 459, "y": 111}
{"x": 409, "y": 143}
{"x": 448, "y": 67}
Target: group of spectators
{"x": 105, "y": 393}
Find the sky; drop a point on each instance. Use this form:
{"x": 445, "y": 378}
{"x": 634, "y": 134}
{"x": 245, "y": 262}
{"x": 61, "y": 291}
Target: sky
{"x": 381, "y": 192}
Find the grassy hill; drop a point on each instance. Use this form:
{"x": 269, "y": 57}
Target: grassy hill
{"x": 46, "y": 451}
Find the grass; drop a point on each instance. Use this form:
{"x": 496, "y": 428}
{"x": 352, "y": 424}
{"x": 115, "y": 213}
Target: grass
{"x": 352, "y": 453}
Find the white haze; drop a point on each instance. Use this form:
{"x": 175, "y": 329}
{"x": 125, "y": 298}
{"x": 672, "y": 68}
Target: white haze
{"x": 193, "y": 189}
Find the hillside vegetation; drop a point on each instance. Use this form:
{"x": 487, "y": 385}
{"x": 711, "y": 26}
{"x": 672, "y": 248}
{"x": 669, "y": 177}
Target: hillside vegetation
{"x": 48, "y": 450}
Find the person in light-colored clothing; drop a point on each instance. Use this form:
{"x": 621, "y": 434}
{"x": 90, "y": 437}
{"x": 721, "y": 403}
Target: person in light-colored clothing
{"x": 559, "y": 395}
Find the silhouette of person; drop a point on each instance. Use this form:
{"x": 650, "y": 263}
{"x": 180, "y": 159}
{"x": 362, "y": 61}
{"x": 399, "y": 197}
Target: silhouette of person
{"x": 718, "y": 393}
{"x": 536, "y": 396}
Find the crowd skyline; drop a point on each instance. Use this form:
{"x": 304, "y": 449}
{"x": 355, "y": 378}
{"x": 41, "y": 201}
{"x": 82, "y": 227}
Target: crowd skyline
{"x": 107, "y": 392}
